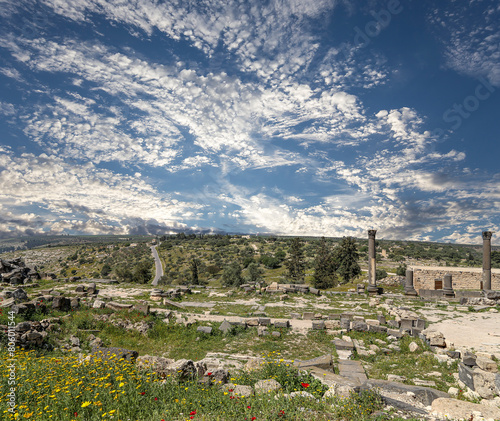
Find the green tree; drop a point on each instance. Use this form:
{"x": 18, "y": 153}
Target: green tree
{"x": 232, "y": 275}
{"x": 325, "y": 275}
{"x": 254, "y": 273}
{"x": 106, "y": 270}
{"x": 401, "y": 270}
{"x": 346, "y": 259}
{"x": 194, "y": 271}
{"x": 296, "y": 262}
{"x": 270, "y": 262}
{"x": 142, "y": 272}
{"x": 380, "y": 274}
{"x": 123, "y": 274}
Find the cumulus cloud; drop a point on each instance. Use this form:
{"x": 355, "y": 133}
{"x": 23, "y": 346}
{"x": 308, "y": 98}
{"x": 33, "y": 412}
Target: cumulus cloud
{"x": 62, "y": 194}
{"x": 255, "y": 94}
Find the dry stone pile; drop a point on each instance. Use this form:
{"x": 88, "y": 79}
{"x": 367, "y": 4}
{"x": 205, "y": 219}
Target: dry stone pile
{"x": 490, "y": 298}
{"x": 34, "y": 334}
{"x": 15, "y": 272}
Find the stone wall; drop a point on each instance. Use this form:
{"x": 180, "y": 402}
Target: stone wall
{"x": 463, "y": 278}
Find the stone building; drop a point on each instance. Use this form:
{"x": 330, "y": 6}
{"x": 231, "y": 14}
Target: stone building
{"x": 431, "y": 277}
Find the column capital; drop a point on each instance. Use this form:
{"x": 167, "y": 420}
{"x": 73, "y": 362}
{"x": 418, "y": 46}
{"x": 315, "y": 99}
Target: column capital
{"x": 371, "y": 233}
{"x": 487, "y": 235}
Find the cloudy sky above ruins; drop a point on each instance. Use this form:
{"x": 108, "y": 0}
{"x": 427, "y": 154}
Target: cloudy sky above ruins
{"x": 293, "y": 117}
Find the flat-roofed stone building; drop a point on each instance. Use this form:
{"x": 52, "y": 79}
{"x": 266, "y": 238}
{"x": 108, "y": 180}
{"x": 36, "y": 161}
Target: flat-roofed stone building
{"x": 464, "y": 278}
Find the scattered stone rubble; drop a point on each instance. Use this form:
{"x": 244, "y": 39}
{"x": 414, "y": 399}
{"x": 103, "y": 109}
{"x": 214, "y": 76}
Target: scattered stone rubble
{"x": 490, "y": 298}
{"x": 274, "y": 288}
{"x": 159, "y": 294}
{"x": 477, "y": 374}
{"x": 15, "y": 272}
{"x": 34, "y": 334}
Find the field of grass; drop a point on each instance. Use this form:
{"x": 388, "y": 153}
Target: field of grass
{"x": 64, "y": 387}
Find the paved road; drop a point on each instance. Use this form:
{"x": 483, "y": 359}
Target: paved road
{"x": 159, "y": 267}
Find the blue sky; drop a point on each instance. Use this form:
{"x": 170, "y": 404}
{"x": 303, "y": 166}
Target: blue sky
{"x": 288, "y": 117}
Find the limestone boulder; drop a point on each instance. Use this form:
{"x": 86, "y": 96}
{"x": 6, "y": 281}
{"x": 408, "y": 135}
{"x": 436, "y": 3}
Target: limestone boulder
{"x": 454, "y": 409}
{"x": 151, "y": 362}
{"x": 267, "y": 386}
{"x": 182, "y": 369}
{"x": 487, "y": 364}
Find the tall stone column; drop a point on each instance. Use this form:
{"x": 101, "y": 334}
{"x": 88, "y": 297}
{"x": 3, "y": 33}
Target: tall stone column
{"x": 372, "y": 264}
{"x": 487, "y": 260}
{"x": 409, "y": 288}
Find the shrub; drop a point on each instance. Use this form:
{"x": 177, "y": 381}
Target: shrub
{"x": 401, "y": 270}
{"x": 380, "y": 274}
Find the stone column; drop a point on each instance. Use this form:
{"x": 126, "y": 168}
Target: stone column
{"x": 487, "y": 260}
{"x": 409, "y": 288}
{"x": 372, "y": 265}
{"x": 448, "y": 286}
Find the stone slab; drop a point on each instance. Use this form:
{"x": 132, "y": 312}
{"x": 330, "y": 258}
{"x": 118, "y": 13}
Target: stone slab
{"x": 343, "y": 345}
{"x": 425, "y": 395}
{"x": 325, "y": 362}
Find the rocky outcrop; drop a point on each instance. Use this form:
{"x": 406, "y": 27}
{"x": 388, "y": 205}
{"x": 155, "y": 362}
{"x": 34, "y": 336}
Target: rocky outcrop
{"x": 34, "y": 334}
{"x": 15, "y": 272}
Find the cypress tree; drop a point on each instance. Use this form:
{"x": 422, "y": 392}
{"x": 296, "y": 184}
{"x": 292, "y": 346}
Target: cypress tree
{"x": 324, "y": 267}
{"x": 296, "y": 262}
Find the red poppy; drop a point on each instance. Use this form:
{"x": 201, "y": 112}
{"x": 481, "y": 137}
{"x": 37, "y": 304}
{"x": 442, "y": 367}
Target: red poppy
{"x": 192, "y": 413}
{"x": 231, "y": 397}
{"x": 248, "y": 406}
{"x": 156, "y": 399}
{"x": 143, "y": 393}
{"x": 304, "y": 384}
{"x": 209, "y": 374}
{"x": 75, "y": 414}
{"x": 230, "y": 390}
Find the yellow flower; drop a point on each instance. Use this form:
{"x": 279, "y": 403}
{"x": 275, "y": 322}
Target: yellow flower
{"x": 85, "y": 404}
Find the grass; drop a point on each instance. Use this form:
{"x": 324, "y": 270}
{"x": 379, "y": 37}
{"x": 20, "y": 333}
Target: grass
{"x": 411, "y": 365}
{"x": 62, "y": 387}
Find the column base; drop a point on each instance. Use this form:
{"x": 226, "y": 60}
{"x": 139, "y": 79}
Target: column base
{"x": 412, "y": 292}
{"x": 448, "y": 293}
{"x": 372, "y": 289}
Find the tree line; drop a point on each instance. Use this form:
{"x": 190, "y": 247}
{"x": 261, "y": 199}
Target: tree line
{"x": 332, "y": 265}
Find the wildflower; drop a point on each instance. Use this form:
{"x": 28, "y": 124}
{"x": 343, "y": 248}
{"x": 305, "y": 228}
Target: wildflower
{"x": 192, "y": 413}
{"x": 85, "y": 404}
{"x": 304, "y": 384}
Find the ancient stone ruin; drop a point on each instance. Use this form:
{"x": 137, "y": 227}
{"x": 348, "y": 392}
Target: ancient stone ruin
{"x": 15, "y": 272}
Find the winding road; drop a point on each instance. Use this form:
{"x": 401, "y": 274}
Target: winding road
{"x": 159, "y": 267}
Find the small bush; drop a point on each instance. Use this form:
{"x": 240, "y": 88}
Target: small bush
{"x": 359, "y": 406}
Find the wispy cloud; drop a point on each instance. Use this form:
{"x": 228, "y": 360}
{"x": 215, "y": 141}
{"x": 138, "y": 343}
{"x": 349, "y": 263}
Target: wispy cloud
{"x": 471, "y": 36}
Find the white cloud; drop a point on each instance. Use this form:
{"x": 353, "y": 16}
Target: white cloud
{"x": 64, "y": 193}
{"x": 471, "y": 36}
